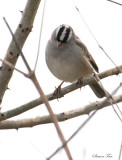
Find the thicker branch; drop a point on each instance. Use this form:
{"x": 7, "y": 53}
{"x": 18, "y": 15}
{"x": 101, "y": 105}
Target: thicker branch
{"x": 66, "y": 90}
{"x": 21, "y": 34}
{"x": 24, "y": 123}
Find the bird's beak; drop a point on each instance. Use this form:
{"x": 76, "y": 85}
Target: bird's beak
{"x": 59, "y": 44}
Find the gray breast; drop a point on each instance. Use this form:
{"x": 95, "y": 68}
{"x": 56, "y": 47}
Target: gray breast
{"x": 66, "y": 64}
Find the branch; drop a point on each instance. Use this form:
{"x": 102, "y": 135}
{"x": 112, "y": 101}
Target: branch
{"x": 21, "y": 34}
{"x": 115, "y": 2}
{"x": 22, "y": 123}
{"x": 66, "y": 90}
{"x": 31, "y": 75}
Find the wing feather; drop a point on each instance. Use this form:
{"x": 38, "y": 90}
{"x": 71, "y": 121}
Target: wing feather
{"x": 87, "y": 54}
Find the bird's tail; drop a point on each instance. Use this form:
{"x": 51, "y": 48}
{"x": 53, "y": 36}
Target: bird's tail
{"x": 98, "y": 89}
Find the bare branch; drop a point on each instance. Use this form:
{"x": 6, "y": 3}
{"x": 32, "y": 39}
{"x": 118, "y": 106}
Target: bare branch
{"x": 109, "y": 96}
{"x": 90, "y": 31}
{"x": 120, "y": 153}
{"x": 64, "y": 91}
{"x": 21, "y": 34}
{"x": 15, "y": 124}
{"x": 115, "y": 2}
{"x": 17, "y": 46}
{"x": 85, "y": 122}
{"x": 52, "y": 115}
{"x": 40, "y": 36}
{"x": 12, "y": 67}
{"x": 31, "y": 75}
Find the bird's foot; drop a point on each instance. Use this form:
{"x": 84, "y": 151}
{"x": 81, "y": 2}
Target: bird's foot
{"x": 57, "y": 91}
{"x": 79, "y": 82}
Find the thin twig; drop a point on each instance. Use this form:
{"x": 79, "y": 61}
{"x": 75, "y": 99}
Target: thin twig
{"x": 40, "y": 35}
{"x": 32, "y": 76}
{"x": 34, "y": 103}
{"x": 64, "y": 116}
{"x": 115, "y": 2}
{"x": 82, "y": 125}
{"x": 94, "y": 35}
{"x": 85, "y": 122}
{"x": 105, "y": 54}
{"x": 120, "y": 153}
{"x": 52, "y": 115}
{"x": 18, "y": 48}
{"x": 110, "y": 96}
{"x": 114, "y": 92}
{"x": 10, "y": 65}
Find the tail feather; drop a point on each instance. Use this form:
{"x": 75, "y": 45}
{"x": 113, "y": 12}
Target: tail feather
{"x": 97, "y": 89}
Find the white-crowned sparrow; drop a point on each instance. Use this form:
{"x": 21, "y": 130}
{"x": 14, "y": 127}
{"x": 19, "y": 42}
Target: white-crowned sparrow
{"x": 68, "y": 58}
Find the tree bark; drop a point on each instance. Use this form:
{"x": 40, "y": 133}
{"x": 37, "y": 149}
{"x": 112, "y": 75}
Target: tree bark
{"x": 21, "y": 34}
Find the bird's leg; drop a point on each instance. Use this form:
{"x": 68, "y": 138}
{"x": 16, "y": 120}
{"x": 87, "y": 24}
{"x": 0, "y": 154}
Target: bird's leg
{"x": 79, "y": 82}
{"x": 58, "y": 89}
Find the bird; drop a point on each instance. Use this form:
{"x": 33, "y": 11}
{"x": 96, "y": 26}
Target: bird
{"x": 69, "y": 59}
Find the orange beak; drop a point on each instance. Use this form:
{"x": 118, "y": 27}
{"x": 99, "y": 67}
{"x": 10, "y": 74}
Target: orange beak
{"x": 59, "y": 44}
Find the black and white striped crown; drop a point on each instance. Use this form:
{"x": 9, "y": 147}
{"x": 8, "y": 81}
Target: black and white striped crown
{"x": 63, "y": 33}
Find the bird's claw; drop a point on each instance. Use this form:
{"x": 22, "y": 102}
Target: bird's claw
{"x": 79, "y": 82}
{"x": 57, "y": 92}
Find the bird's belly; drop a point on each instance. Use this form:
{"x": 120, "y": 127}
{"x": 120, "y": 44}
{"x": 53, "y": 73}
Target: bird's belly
{"x": 69, "y": 70}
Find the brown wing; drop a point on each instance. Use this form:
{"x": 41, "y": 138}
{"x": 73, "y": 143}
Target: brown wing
{"x": 87, "y": 54}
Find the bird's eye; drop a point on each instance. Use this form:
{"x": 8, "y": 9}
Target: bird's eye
{"x": 63, "y": 33}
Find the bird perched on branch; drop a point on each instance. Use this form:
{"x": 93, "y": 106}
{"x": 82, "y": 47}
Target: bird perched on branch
{"x": 69, "y": 60}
